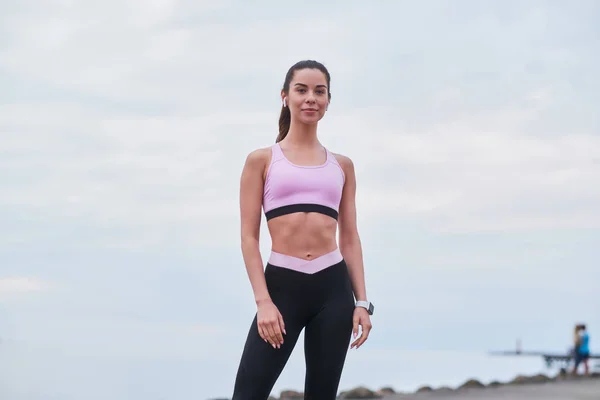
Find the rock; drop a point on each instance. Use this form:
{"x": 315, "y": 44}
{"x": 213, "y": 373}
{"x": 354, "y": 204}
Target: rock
{"x": 472, "y": 384}
{"x": 291, "y": 395}
{"x": 386, "y": 391}
{"x": 540, "y": 378}
{"x": 424, "y": 389}
{"x": 444, "y": 389}
{"x": 494, "y": 384}
{"x": 522, "y": 379}
{"x": 360, "y": 393}
{"x": 518, "y": 380}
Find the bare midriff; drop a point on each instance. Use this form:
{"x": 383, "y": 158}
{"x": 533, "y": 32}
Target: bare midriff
{"x": 303, "y": 235}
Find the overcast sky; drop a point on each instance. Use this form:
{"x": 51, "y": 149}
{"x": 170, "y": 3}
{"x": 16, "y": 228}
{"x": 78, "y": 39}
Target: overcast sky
{"x": 475, "y": 133}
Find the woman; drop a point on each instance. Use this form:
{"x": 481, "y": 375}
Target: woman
{"x": 309, "y": 281}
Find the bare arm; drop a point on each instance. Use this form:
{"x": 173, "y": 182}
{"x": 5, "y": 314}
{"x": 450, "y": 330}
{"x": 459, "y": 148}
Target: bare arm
{"x": 251, "y": 184}
{"x": 350, "y": 244}
{"x": 351, "y": 249}
{"x": 271, "y": 327}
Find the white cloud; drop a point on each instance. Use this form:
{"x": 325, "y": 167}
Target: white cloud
{"x": 483, "y": 173}
{"x": 21, "y": 284}
{"x": 172, "y": 55}
{"x": 19, "y": 288}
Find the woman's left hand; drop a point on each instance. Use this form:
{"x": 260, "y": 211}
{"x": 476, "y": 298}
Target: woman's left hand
{"x": 361, "y": 317}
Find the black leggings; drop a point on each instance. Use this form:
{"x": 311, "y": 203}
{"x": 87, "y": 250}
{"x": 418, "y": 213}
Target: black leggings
{"x": 321, "y": 303}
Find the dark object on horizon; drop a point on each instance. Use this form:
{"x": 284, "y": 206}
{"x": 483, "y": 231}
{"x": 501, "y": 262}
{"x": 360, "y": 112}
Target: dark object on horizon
{"x": 565, "y": 359}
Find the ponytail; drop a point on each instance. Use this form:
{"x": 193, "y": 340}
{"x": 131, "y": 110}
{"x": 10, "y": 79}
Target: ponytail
{"x": 284, "y": 124}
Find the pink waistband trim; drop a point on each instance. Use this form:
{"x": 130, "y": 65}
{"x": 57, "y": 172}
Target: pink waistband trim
{"x": 306, "y": 266}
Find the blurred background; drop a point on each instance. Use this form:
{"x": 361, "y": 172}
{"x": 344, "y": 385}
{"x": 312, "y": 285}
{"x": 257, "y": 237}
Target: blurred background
{"x": 124, "y": 125}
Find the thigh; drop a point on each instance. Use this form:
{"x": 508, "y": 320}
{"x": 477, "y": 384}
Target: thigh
{"x": 327, "y": 339}
{"x": 261, "y": 364}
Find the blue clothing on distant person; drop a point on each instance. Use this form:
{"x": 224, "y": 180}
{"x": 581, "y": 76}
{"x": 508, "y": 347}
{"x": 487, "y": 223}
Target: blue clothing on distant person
{"x": 584, "y": 347}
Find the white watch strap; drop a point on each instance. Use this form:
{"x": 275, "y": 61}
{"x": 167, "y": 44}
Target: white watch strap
{"x": 362, "y": 303}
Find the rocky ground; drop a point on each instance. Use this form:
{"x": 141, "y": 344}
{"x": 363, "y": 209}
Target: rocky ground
{"x": 560, "y": 387}
{"x": 552, "y": 389}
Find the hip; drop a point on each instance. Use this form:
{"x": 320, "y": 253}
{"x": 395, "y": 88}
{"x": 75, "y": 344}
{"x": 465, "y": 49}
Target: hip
{"x": 322, "y": 277}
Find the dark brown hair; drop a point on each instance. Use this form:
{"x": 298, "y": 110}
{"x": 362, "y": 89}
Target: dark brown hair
{"x": 285, "y": 117}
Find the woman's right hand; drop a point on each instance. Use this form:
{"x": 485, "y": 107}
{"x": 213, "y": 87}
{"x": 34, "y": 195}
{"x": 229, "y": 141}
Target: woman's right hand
{"x": 270, "y": 323}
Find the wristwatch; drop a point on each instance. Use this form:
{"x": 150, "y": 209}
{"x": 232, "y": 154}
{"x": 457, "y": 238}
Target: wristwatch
{"x": 366, "y": 304}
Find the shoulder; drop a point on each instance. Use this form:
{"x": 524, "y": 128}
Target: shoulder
{"x": 259, "y": 157}
{"x": 345, "y": 162}
{"x": 257, "y": 161}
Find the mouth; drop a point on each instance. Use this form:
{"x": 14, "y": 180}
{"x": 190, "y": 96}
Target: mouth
{"x": 310, "y": 109}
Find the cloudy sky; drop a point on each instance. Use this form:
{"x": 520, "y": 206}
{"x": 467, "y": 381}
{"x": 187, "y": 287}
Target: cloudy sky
{"x": 475, "y": 132}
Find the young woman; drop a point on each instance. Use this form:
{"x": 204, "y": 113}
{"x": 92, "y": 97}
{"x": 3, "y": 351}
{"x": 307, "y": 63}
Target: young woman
{"x": 310, "y": 283}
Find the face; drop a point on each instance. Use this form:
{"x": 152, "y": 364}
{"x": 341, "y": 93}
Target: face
{"x": 308, "y": 96}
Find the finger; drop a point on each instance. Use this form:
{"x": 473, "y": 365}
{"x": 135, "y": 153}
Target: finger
{"x": 355, "y": 321}
{"x": 268, "y": 333}
{"x": 355, "y": 343}
{"x": 262, "y": 333}
{"x": 271, "y": 334}
{"x": 364, "y": 336}
{"x": 282, "y": 324}
{"x": 264, "y": 329}
{"x": 365, "y": 329}
{"x": 278, "y": 337}
{"x": 278, "y": 333}
{"x": 358, "y": 342}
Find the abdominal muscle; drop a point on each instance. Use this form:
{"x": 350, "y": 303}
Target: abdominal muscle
{"x": 303, "y": 235}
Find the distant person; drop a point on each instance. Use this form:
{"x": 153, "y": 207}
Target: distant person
{"x": 309, "y": 282}
{"x": 582, "y": 350}
{"x": 576, "y": 339}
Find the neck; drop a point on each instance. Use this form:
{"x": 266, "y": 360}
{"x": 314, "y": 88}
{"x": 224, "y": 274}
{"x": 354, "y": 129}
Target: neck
{"x": 302, "y": 135}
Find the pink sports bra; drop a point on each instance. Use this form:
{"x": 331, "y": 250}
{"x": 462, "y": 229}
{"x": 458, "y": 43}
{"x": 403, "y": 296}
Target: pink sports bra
{"x": 291, "y": 188}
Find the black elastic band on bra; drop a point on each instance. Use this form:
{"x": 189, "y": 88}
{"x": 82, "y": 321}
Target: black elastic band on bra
{"x": 294, "y": 208}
